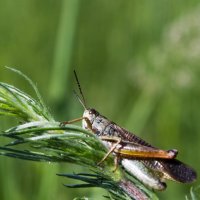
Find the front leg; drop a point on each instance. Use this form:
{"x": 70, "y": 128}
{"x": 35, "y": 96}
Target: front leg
{"x": 89, "y": 125}
{"x": 71, "y": 121}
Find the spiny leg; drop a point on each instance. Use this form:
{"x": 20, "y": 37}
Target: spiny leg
{"x": 117, "y": 141}
{"x": 144, "y": 152}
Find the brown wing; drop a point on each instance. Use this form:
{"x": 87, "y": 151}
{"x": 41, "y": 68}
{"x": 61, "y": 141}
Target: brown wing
{"x": 172, "y": 169}
{"x": 128, "y": 136}
{"x": 179, "y": 171}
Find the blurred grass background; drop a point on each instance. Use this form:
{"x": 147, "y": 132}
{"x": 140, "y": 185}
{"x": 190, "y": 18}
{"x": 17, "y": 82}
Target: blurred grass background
{"x": 138, "y": 63}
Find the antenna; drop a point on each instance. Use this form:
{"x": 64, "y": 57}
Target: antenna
{"x": 82, "y": 101}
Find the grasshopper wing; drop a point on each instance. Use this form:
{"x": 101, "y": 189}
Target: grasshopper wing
{"x": 171, "y": 169}
{"x": 178, "y": 171}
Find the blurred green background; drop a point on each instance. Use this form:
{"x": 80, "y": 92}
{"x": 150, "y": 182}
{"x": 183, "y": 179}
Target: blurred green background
{"x": 138, "y": 63}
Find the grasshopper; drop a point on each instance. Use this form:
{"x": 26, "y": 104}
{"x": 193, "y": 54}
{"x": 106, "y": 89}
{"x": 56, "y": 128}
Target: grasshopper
{"x": 150, "y": 165}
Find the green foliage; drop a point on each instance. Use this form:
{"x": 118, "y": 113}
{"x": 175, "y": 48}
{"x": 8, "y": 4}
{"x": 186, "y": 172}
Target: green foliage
{"x": 14, "y": 102}
{"x": 138, "y": 63}
{"x": 40, "y": 138}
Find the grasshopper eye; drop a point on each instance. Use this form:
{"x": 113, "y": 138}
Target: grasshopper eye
{"x": 93, "y": 112}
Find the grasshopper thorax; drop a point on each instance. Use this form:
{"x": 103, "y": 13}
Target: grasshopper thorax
{"x": 97, "y": 123}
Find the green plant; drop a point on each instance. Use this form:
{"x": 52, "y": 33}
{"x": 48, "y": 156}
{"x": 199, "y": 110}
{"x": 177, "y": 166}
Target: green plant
{"x": 40, "y": 138}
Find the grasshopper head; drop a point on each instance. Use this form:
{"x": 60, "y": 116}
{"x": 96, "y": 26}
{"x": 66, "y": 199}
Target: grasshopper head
{"x": 89, "y": 116}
